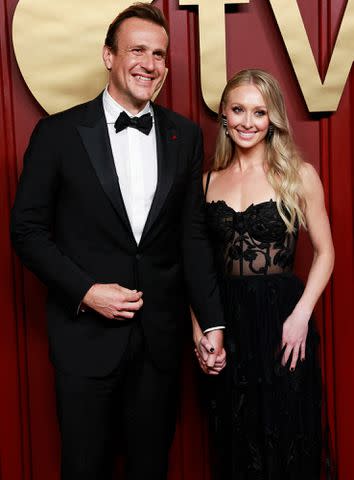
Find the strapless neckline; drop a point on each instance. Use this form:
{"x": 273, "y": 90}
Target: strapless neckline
{"x": 251, "y": 241}
{"x": 240, "y": 212}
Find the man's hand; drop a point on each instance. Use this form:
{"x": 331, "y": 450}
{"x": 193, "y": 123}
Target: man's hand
{"x": 210, "y": 352}
{"x": 113, "y": 301}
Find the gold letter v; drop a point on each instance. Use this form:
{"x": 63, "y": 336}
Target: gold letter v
{"x": 319, "y": 97}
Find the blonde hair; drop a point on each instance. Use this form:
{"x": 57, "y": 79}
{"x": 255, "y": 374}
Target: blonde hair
{"x": 282, "y": 160}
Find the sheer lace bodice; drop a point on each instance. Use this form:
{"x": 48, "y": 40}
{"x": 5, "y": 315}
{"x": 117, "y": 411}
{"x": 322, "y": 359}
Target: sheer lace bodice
{"x": 252, "y": 242}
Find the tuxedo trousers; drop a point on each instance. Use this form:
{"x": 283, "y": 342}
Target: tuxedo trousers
{"x": 132, "y": 410}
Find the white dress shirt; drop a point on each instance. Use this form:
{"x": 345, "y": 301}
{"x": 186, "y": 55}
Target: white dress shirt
{"x": 135, "y": 159}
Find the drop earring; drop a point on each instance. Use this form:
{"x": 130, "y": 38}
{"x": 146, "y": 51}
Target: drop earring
{"x": 270, "y": 132}
{"x": 224, "y": 124}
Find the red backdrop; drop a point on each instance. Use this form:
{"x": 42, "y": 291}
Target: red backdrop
{"x": 28, "y": 431}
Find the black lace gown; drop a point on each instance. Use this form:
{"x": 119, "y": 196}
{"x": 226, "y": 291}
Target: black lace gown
{"x": 267, "y": 420}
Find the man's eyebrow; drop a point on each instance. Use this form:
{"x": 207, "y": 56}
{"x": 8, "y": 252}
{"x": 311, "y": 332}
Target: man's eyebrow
{"x": 160, "y": 50}
{"x": 144, "y": 47}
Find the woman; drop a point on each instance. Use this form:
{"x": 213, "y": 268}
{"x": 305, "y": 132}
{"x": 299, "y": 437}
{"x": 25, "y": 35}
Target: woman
{"x": 259, "y": 194}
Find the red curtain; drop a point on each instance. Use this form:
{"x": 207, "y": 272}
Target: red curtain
{"x": 28, "y": 433}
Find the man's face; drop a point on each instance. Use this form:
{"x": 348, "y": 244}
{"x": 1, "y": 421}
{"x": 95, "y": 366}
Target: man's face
{"x": 137, "y": 68}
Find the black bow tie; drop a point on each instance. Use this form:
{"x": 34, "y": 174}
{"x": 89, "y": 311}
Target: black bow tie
{"x": 143, "y": 123}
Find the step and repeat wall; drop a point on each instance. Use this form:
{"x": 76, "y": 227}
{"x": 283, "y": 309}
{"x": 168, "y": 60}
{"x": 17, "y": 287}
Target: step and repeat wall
{"x": 50, "y": 59}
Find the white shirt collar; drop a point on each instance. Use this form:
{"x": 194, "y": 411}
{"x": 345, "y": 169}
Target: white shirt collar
{"x": 112, "y": 108}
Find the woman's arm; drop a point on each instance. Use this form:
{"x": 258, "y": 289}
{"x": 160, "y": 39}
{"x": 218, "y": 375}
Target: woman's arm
{"x": 295, "y": 327}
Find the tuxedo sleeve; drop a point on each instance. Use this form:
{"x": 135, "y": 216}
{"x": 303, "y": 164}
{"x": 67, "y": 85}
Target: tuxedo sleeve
{"x": 32, "y": 221}
{"x": 199, "y": 267}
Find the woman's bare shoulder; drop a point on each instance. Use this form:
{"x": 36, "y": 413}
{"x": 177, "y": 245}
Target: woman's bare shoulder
{"x": 211, "y": 174}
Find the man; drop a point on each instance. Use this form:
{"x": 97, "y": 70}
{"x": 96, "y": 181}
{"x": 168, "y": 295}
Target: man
{"x": 110, "y": 218}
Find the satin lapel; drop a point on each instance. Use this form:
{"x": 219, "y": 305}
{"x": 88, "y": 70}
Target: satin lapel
{"x": 95, "y": 138}
{"x": 167, "y": 154}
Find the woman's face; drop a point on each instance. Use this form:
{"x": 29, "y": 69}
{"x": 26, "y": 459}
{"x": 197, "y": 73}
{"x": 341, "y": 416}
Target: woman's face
{"x": 247, "y": 116}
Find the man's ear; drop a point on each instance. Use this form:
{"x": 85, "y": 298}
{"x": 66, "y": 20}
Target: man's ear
{"x": 107, "y": 57}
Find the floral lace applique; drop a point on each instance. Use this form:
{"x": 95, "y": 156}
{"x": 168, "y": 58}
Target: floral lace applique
{"x": 253, "y": 242}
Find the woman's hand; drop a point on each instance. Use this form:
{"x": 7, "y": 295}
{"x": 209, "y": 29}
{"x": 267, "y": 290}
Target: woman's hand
{"x": 205, "y": 352}
{"x": 208, "y": 348}
{"x": 294, "y": 336}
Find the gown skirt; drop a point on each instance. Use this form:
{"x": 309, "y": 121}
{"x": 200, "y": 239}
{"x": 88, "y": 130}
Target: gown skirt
{"x": 266, "y": 418}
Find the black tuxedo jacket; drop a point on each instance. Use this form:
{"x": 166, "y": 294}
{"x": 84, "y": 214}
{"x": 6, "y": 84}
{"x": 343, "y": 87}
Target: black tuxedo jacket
{"x": 70, "y": 227}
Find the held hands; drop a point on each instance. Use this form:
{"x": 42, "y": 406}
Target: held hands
{"x": 210, "y": 352}
{"x": 294, "y": 337}
{"x": 113, "y": 301}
